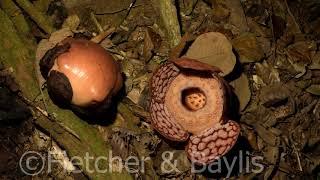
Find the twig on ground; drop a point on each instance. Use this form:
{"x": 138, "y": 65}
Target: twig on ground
{"x": 291, "y": 15}
{"x": 100, "y": 37}
{"x": 128, "y": 11}
{"x": 298, "y": 157}
{"x": 96, "y": 23}
{"x": 117, "y": 11}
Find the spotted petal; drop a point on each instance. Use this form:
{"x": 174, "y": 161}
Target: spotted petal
{"x": 161, "y": 120}
{"x": 212, "y": 143}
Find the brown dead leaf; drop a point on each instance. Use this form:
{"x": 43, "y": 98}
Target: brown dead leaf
{"x": 220, "y": 11}
{"x": 315, "y": 61}
{"x": 152, "y": 41}
{"x": 242, "y": 90}
{"x": 248, "y": 48}
{"x": 301, "y": 52}
{"x": 177, "y": 50}
{"x": 273, "y": 94}
{"x": 314, "y": 89}
{"x": 267, "y": 73}
{"x": 237, "y": 17}
{"x": 299, "y": 55}
{"x": 266, "y": 135}
{"x": 271, "y": 154}
{"x": 215, "y": 49}
{"x": 46, "y": 44}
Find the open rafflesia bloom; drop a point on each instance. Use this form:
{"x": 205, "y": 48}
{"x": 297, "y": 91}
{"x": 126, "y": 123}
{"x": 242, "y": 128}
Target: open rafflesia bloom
{"x": 189, "y": 97}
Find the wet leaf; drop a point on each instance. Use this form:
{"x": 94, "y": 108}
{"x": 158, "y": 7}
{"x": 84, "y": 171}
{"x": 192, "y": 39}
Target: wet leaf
{"x": 214, "y": 49}
{"x": 248, "y": 48}
{"x": 242, "y": 90}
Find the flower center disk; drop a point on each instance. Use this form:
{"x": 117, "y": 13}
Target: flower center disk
{"x": 195, "y": 101}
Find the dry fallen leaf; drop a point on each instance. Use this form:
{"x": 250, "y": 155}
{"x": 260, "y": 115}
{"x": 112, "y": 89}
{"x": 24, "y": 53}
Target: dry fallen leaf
{"x": 315, "y": 61}
{"x": 214, "y": 49}
{"x": 314, "y": 89}
{"x": 152, "y": 42}
{"x": 242, "y": 90}
{"x": 268, "y": 74}
{"x": 248, "y": 48}
{"x": 46, "y": 44}
{"x": 54, "y": 39}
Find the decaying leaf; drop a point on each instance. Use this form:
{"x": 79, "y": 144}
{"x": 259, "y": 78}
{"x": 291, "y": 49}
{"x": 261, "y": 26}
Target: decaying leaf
{"x": 188, "y": 6}
{"x": 139, "y": 84}
{"x": 267, "y": 135}
{"x": 267, "y": 73}
{"x": 299, "y": 55}
{"x": 242, "y": 90}
{"x": 72, "y": 22}
{"x": 131, "y": 68}
{"x": 314, "y": 89}
{"x": 152, "y": 41}
{"x": 215, "y": 49}
{"x": 46, "y": 44}
{"x": 220, "y": 10}
{"x": 315, "y": 61}
{"x": 271, "y": 95}
{"x": 301, "y": 52}
{"x": 237, "y": 17}
{"x": 271, "y": 154}
{"x": 251, "y": 136}
{"x": 54, "y": 39}
{"x": 180, "y": 157}
{"x": 177, "y": 50}
{"x": 248, "y": 48}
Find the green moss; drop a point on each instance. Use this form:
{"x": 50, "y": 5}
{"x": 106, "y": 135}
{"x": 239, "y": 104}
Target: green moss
{"x": 16, "y": 15}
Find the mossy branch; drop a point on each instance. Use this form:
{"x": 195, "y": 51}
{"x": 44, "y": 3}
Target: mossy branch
{"x": 169, "y": 19}
{"x": 15, "y": 14}
{"x": 36, "y": 15}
